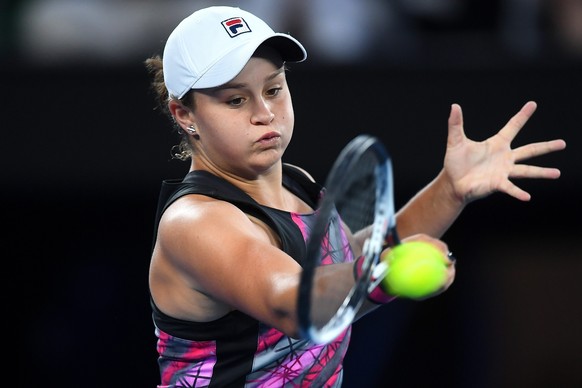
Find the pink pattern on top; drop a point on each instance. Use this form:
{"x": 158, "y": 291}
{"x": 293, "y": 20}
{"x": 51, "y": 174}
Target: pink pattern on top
{"x": 279, "y": 361}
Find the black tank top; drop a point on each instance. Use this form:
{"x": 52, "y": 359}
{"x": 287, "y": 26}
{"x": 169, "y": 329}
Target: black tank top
{"x": 236, "y": 349}
{"x": 205, "y": 183}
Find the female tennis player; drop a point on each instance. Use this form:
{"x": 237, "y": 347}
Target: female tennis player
{"x": 230, "y": 237}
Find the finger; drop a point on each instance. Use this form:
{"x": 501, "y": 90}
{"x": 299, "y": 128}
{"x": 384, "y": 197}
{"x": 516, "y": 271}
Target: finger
{"x": 537, "y": 149}
{"x": 456, "y": 132}
{"x": 451, "y": 271}
{"x": 513, "y": 190}
{"x": 535, "y": 172}
{"x": 517, "y": 122}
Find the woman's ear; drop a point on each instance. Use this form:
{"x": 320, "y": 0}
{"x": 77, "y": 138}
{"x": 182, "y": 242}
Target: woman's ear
{"x": 181, "y": 114}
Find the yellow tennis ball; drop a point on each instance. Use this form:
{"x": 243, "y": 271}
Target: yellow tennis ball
{"x": 416, "y": 269}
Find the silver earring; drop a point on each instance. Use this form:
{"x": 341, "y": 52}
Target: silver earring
{"x": 192, "y": 130}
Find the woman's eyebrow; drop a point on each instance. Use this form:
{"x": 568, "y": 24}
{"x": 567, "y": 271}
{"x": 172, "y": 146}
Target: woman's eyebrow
{"x": 240, "y": 85}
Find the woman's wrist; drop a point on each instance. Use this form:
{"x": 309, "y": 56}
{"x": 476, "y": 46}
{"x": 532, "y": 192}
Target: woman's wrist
{"x": 378, "y": 295}
{"x": 449, "y": 196}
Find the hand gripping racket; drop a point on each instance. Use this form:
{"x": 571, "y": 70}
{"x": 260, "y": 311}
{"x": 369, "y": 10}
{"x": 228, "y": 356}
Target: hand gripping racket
{"x": 359, "y": 194}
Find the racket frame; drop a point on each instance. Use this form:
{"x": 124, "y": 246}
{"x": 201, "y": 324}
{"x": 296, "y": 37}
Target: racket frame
{"x": 372, "y": 269}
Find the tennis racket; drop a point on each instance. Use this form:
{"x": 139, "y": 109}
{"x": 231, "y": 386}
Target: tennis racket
{"x": 358, "y": 194}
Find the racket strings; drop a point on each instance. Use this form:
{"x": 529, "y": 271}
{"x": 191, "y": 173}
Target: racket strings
{"x": 336, "y": 248}
{"x": 357, "y": 204}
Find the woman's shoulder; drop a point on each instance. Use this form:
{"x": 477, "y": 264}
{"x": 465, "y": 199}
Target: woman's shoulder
{"x": 195, "y": 207}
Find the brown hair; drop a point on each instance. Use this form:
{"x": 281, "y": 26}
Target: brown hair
{"x": 154, "y": 65}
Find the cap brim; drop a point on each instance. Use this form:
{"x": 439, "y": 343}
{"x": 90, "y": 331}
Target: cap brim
{"x": 228, "y": 67}
{"x": 289, "y": 48}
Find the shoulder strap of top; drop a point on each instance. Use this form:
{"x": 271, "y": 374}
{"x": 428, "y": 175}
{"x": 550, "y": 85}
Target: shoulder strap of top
{"x": 205, "y": 183}
{"x": 301, "y": 185}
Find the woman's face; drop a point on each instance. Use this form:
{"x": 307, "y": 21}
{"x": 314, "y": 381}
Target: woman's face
{"x": 245, "y": 125}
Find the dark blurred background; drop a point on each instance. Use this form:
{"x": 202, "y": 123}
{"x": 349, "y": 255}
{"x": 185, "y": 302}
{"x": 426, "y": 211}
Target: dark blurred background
{"x": 84, "y": 153}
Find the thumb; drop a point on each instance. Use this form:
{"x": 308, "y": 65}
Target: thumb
{"x": 456, "y": 131}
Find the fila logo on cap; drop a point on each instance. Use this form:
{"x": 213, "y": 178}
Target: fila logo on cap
{"x": 235, "y": 26}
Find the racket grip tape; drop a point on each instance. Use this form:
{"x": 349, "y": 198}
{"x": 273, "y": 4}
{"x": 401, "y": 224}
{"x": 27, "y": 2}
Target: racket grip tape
{"x": 378, "y": 295}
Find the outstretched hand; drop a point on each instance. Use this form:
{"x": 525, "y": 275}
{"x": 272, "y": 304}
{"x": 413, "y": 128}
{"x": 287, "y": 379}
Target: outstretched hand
{"x": 477, "y": 169}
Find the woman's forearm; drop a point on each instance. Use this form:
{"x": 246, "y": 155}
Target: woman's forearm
{"x": 432, "y": 210}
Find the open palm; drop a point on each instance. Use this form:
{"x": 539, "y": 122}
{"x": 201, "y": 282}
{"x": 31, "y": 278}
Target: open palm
{"x": 477, "y": 169}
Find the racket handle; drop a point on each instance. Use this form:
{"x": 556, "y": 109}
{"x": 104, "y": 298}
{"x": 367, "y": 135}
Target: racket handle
{"x": 378, "y": 295}
{"x": 391, "y": 239}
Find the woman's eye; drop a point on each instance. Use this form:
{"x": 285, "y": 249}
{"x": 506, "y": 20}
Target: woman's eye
{"x": 236, "y": 101}
{"x": 273, "y": 91}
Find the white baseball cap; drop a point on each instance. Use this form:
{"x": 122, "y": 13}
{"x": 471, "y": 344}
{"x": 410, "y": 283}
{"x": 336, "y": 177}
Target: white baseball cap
{"x": 211, "y": 46}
